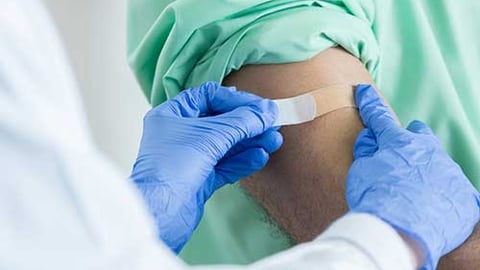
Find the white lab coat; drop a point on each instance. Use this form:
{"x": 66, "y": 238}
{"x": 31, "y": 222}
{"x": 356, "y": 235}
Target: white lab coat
{"x": 64, "y": 206}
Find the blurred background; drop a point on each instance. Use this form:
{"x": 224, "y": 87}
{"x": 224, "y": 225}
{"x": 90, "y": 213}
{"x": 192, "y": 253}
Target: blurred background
{"x": 94, "y": 34}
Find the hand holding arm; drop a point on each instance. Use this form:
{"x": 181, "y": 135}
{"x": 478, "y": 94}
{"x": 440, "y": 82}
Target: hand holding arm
{"x": 405, "y": 178}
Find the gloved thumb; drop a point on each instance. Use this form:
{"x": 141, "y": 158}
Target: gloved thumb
{"x": 419, "y": 127}
{"x": 365, "y": 145}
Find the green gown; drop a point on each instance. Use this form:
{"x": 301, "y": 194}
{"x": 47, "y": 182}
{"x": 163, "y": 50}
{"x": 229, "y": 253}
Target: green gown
{"x": 424, "y": 56}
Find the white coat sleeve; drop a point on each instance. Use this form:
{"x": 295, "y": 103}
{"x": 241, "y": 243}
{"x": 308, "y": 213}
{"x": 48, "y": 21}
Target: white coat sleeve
{"x": 64, "y": 206}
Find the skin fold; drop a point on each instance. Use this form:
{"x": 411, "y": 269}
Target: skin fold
{"x": 303, "y": 186}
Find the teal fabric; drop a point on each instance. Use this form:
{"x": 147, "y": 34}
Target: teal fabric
{"x": 194, "y": 41}
{"x": 424, "y": 55}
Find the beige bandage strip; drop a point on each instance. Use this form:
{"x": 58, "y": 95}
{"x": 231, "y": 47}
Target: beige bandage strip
{"x": 307, "y": 107}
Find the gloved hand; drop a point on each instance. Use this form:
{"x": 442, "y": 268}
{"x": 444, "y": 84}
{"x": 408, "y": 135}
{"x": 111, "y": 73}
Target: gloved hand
{"x": 195, "y": 143}
{"x": 405, "y": 178}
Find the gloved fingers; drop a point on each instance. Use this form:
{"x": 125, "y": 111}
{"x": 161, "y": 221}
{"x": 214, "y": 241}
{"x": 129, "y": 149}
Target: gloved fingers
{"x": 420, "y": 128}
{"x": 246, "y": 121}
{"x": 365, "y": 145}
{"x": 192, "y": 102}
{"x": 373, "y": 111}
{"x": 240, "y": 166}
{"x": 226, "y": 99}
{"x": 210, "y": 98}
{"x": 270, "y": 141}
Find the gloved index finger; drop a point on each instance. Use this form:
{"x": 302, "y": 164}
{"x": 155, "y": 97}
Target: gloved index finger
{"x": 225, "y": 99}
{"x": 374, "y": 113}
{"x": 192, "y": 102}
{"x": 248, "y": 111}
{"x": 210, "y": 98}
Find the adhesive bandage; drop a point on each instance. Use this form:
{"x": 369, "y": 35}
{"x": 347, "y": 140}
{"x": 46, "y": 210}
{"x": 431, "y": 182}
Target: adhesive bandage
{"x": 306, "y": 107}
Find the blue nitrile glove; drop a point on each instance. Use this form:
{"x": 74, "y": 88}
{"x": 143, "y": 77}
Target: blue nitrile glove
{"x": 195, "y": 143}
{"x": 405, "y": 178}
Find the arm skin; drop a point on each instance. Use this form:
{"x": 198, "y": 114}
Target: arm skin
{"x": 466, "y": 257}
{"x": 303, "y": 186}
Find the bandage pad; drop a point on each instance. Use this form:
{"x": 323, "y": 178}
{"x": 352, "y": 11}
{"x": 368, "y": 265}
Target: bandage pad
{"x": 306, "y": 107}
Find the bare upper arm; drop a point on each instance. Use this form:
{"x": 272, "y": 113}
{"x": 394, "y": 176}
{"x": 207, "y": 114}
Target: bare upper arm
{"x": 302, "y": 187}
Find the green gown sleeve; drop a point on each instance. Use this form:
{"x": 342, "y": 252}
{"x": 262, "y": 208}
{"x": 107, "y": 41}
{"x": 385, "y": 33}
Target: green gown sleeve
{"x": 182, "y": 47}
